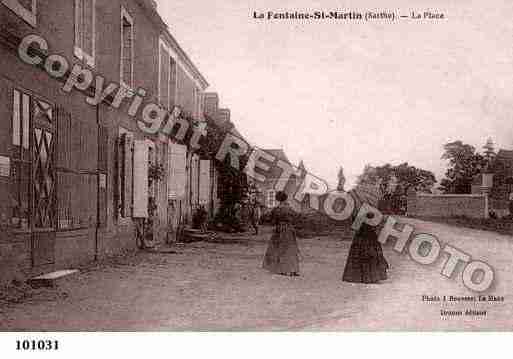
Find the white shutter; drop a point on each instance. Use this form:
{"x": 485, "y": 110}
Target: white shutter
{"x": 164, "y": 74}
{"x": 79, "y": 28}
{"x": 204, "y": 185}
{"x": 140, "y": 179}
{"x": 194, "y": 180}
{"x": 177, "y": 175}
{"x": 126, "y": 174}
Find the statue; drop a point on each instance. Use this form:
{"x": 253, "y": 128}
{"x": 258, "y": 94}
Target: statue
{"x": 341, "y": 180}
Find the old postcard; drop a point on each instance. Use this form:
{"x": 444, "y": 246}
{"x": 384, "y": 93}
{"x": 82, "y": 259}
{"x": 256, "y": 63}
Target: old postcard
{"x": 307, "y": 165}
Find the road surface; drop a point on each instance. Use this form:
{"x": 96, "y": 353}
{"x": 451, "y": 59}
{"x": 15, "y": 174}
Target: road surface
{"x": 221, "y": 286}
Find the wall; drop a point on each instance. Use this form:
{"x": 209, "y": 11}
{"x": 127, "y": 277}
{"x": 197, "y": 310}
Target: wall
{"x": 55, "y": 22}
{"x": 426, "y": 205}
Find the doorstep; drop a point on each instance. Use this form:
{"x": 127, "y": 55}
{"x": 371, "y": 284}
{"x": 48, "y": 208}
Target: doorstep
{"x": 51, "y": 280}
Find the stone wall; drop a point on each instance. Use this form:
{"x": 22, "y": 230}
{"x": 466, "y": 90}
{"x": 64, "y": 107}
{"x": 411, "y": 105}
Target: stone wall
{"x": 428, "y": 205}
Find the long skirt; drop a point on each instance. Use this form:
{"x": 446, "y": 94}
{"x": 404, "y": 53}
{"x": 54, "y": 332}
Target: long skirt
{"x": 282, "y": 255}
{"x": 366, "y": 262}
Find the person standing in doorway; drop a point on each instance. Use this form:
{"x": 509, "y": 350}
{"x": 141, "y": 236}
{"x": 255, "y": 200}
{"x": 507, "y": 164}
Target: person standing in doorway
{"x": 511, "y": 204}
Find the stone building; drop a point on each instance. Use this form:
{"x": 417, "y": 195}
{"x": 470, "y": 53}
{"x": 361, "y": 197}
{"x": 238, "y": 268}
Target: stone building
{"x": 76, "y": 171}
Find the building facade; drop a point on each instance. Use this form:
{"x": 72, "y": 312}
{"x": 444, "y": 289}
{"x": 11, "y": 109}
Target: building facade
{"x": 76, "y": 173}
{"x": 267, "y": 190}
{"x": 497, "y": 182}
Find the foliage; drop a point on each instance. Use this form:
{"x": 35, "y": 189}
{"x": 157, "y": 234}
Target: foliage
{"x": 398, "y": 179}
{"x": 233, "y": 185}
{"x": 464, "y": 164}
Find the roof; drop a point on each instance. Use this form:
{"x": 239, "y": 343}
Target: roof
{"x": 278, "y": 153}
{"x": 505, "y": 154}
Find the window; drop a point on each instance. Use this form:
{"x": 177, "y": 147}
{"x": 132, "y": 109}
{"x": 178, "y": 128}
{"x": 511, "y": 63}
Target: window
{"x": 26, "y": 9}
{"x": 167, "y": 76}
{"x": 77, "y": 199}
{"x": 21, "y": 161}
{"x": 32, "y": 175}
{"x": 271, "y": 198}
{"x": 85, "y": 30}
{"x": 127, "y": 49}
{"x": 21, "y": 120}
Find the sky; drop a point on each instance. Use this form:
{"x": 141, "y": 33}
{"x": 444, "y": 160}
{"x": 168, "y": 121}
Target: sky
{"x": 349, "y": 93}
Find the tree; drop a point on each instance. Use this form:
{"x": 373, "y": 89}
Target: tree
{"x": 401, "y": 177}
{"x": 464, "y": 164}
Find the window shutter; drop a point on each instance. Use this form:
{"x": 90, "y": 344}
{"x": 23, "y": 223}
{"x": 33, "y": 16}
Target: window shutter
{"x": 127, "y": 173}
{"x": 140, "y": 179}
{"x": 88, "y": 27}
{"x": 177, "y": 171}
{"x": 195, "y": 179}
{"x": 127, "y": 44}
{"x": 204, "y": 190}
{"x": 103, "y": 145}
{"x": 26, "y": 121}
{"x": 75, "y": 161}
{"x": 164, "y": 77}
{"x": 65, "y": 180}
{"x": 16, "y": 119}
{"x": 79, "y": 26}
{"x": 118, "y": 179}
{"x": 63, "y": 138}
{"x": 172, "y": 82}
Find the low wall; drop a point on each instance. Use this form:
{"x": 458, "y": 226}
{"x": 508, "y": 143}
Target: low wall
{"x": 448, "y": 205}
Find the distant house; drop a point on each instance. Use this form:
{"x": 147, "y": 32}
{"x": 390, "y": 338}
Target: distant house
{"x": 267, "y": 190}
{"x": 501, "y": 182}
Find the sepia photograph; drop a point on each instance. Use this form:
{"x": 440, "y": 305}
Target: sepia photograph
{"x": 255, "y": 166}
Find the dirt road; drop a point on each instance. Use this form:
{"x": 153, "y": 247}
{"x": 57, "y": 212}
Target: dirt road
{"x": 221, "y": 286}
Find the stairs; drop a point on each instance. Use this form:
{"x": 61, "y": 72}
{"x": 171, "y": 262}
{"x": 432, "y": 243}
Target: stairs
{"x": 50, "y": 280}
{"x": 190, "y": 235}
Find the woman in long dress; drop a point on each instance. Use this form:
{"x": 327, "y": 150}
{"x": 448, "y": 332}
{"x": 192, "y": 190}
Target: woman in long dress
{"x": 366, "y": 262}
{"x": 282, "y": 256}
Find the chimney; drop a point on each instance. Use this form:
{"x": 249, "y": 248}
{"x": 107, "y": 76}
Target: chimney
{"x": 211, "y": 104}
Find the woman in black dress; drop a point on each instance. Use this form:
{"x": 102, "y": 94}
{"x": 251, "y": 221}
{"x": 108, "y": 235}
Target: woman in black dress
{"x": 366, "y": 262}
{"x": 282, "y": 255}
